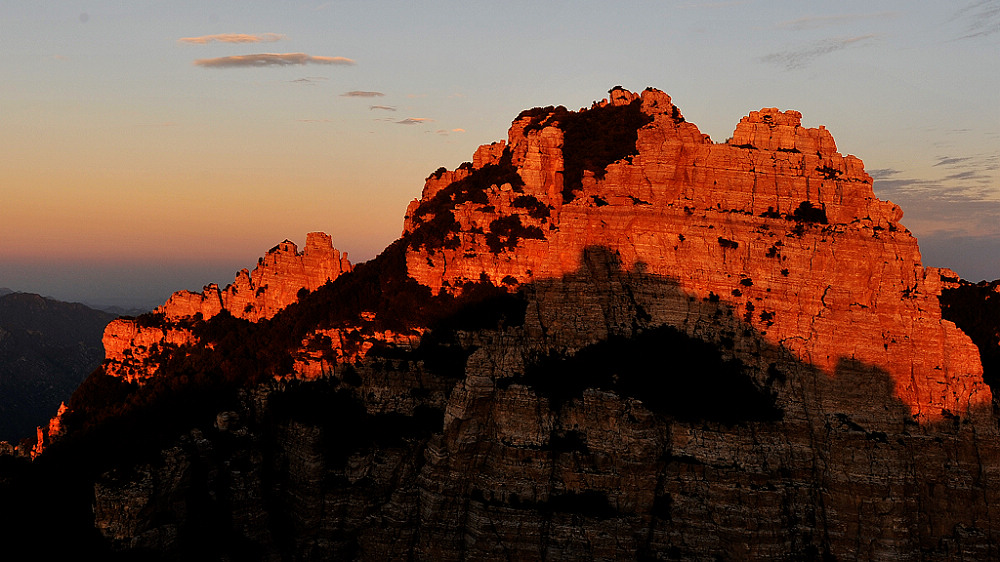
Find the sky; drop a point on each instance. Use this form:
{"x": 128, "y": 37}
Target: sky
{"x": 153, "y": 146}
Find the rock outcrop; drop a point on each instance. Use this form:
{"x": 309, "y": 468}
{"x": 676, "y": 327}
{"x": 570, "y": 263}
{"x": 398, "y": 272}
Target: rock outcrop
{"x": 607, "y": 337}
{"x": 274, "y": 284}
{"x": 132, "y": 345}
{"x": 774, "y": 222}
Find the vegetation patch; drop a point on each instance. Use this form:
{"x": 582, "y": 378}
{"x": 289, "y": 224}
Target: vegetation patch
{"x": 808, "y": 212}
{"x": 828, "y": 172}
{"x": 322, "y": 404}
{"x": 727, "y": 243}
{"x": 532, "y": 205}
{"x": 506, "y": 232}
{"x": 439, "y": 230}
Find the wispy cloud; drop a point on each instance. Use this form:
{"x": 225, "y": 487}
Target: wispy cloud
{"x": 948, "y": 161}
{"x": 315, "y": 120}
{"x": 458, "y": 130}
{"x": 232, "y": 38}
{"x": 793, "y": 59}
{"x": 413, "y": 121}
{"x": 446, "y": 132}
{"x": 883, "y": 173}
{"x": 816, "y": 22}
{"x": 271, "y": 59}
{"x": 361, "y": 94}
{"x": 965, "y": 198}
{"x": 382, "y": 107}
{"x": 309, "y": 80}
{"x": 981, "y": 18}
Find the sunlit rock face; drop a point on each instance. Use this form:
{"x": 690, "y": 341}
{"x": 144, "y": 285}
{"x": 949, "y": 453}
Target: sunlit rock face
{"x": 774, "y": 222}
{"x": 604, "y": 338}
{"x": 274, "y": 284}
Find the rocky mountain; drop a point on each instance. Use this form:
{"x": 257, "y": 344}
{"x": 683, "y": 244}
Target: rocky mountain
{"x": 606, "y": 337}
{"x": 47, "y": 348}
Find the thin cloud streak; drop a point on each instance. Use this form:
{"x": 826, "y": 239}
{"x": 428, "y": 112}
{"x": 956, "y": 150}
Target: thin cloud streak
{"x": 794, "y": 59}
{"x": 361, "y": 94}
{"x": 382, "y": 107}
{"x": 946, "y": 161}
{"x": 882, "y": 173}
{"x": 413, "y": 121}
{"x": 983, "y": 18}
{"x": 816, "y": 22}
{"x": 232, "y": 38}
{"x": 967, "y": 180}
{"x": 309, "y": 80}
{"x": 271, "y": 59}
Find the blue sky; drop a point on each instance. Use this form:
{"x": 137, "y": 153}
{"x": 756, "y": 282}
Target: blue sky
{"x": 131, "y": 170}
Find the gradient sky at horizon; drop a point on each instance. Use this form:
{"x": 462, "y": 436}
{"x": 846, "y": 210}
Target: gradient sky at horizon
{"x": 151, "y": 146}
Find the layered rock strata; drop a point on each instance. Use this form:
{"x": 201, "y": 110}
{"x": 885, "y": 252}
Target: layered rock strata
{"x": 774, "y": 222}
{"x": 700, "y": 351}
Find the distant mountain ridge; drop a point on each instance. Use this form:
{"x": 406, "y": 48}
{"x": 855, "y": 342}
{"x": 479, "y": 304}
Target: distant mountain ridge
{"x": 47, "y": 347}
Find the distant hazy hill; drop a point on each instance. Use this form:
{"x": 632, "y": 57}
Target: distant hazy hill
{"x": 47, "y": 347}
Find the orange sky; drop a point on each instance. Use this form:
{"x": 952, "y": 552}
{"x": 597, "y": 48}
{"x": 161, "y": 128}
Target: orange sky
{"x": 164, "y": 139}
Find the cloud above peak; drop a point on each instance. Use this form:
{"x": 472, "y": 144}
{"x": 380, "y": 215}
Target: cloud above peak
{"x": 271, "y": 59}
{"x": 232, "y": 38}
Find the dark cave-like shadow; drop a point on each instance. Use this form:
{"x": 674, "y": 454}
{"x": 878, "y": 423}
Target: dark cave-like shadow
{"x": 593, "y": 311}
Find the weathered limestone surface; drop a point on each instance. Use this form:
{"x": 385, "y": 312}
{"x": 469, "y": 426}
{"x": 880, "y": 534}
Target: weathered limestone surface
{"x": 717, "y": 218}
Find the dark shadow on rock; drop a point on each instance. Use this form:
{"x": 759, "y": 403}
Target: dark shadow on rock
{"x": 605, "y": 414}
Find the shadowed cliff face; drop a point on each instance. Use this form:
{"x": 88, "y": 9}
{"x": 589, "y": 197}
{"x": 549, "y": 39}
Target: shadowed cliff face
{"x": 512, "y": 436}
{"x": 605, "y": 338}
{"x": 975, "y": 308}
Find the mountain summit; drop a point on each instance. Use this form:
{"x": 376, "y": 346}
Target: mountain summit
{"x": 606, "y": 337}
